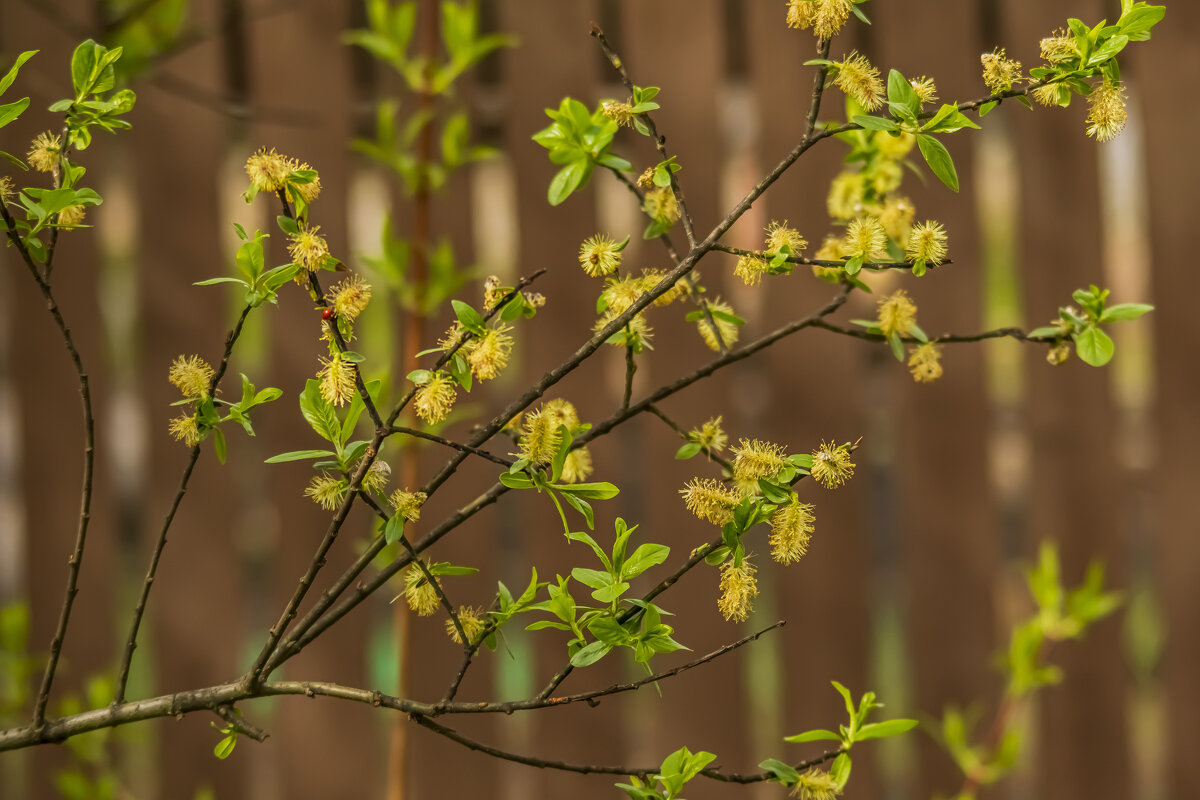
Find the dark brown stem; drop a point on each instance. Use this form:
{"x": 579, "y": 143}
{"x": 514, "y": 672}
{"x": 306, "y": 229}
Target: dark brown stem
{"x": 85, "y": 493}
{"x": 309, "y": 628}
{"x": 949, "y": 338}
{"x": 711, "y": 773}
{"x": 377, "y": 545}
{"x": 140, "y": 608}
{"x": 432, "y": 437}
{"x": 818, "y": 262}
{"x": 660, "y": 142}
{"x": 630, "y": 369}
{"x": 673, "y": 425}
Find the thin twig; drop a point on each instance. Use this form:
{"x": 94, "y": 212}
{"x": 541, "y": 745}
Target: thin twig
{"x": 85, "y": 492}
{"x": 675, "y": 426}
{"x": 660, "y": 142}
{"x": 377, "y": 545}
{"x": 820, "y": 262}
{"x": 739, "y": 354}
{"x": 432, "y": 437}
{"x": 630, "y": 369}
{"x": 552, "y": 377}
{"x": 422, "y": 566}
{"x": 140, "y": 608}
{"x": 312, "y": 625}
{"x": 949, "y": 338}
{"x": 240, "y": 724}
{"x": 591, "y": 697}
{"x": 711, "y": 773}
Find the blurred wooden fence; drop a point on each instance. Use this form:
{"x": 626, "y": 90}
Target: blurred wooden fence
{"x": 912, "y": 580}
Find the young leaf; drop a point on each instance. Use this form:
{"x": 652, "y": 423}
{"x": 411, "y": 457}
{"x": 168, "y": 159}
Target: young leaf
{"x": 784, "y": 773}
{"x": 840, "y": 771}
{"x": 879, "y": 730}
{"x": 818, "y": 735}
{"x": 1125, "y": 311}
{"x": 938, "y": 158}
{"x": 590, "y": 654}
{"x": 394, "y": 528}
{"x": 300, "y": 455}
{"x": 875, "y": 123}
{"x": 225, "y": 747}
{"x": 1094, "y": 346}
{"x": 469, "y": 317}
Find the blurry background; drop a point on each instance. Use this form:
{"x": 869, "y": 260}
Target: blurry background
{"x": 913, "y": 578}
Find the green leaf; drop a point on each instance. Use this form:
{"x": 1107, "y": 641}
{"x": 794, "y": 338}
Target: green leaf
{"x": 897, "y": 346}
{"x": 212, "y": 281}
{"x": 589, "y": 491}
{"x": 900, "y": 91}
{"x": 446, "y": 568}
{"x": 250, "y": 258}
{"x": 1125, "y": 311}
{"x": 1107, "y": 50}
{"x": 516, "y": 480}
{"x": 875, "y": 123}
{"x": 11, "y": 75}
{"x": 938, "y": 158}
{"x": 224, "y": 748}
{"x": 1094, "y": 346}
{"x": 590, "y": 654}
{"x": 840, "y": 770}
{"x": 394, "y": 529}
{"x": 10, "y": 111}
{"x": 646, "y": 556}
{"x": 818, "y": 735}
{"x": 717, "y": 556}
{"x": 688, "y": 450}
{"x": 83, "y": 61}
{"x": 300, "y": 455}
{"x": 319, "y": 413}
{"x": 845, "y": 693}
{"x": 468, "y": 316}
{"x": 879, "y": 730}
{"x": 783, "y": 772}
{"x": 948, "y": 120}
{"x": 287, "y": 225}
{"x": 218, "y": 437}
{"x": 567, "y": 180}
{"x": 987, "y": 108}
{"x": 582, "y": 506}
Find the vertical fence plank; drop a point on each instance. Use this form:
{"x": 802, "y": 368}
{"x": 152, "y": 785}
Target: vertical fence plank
{"x": 1168, "y": 61}
{"x": 1082, "y": 750}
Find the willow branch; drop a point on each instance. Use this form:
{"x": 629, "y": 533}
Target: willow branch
{"x": 414, "y": 558}
{"x": 711, "y": 773}
{"x": 140, "y": 608}
{"x": 268, "y": 659}
{"x": 949, "y": 338}
{"x": 591, "y": 697}
{"x": 660, "y": 142}
{"x": 325, "y": 614}
{"x": 675, "y": 426}
{"x": 85, "y": 493}
{"x": 466, "y": 448}
{"x": 630, "y": 369}
{"x": 685, "y": 267}
{"x": 309, "y": 627}
{"x": 739, "y": 354}
{"x": 820, "y": 262}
